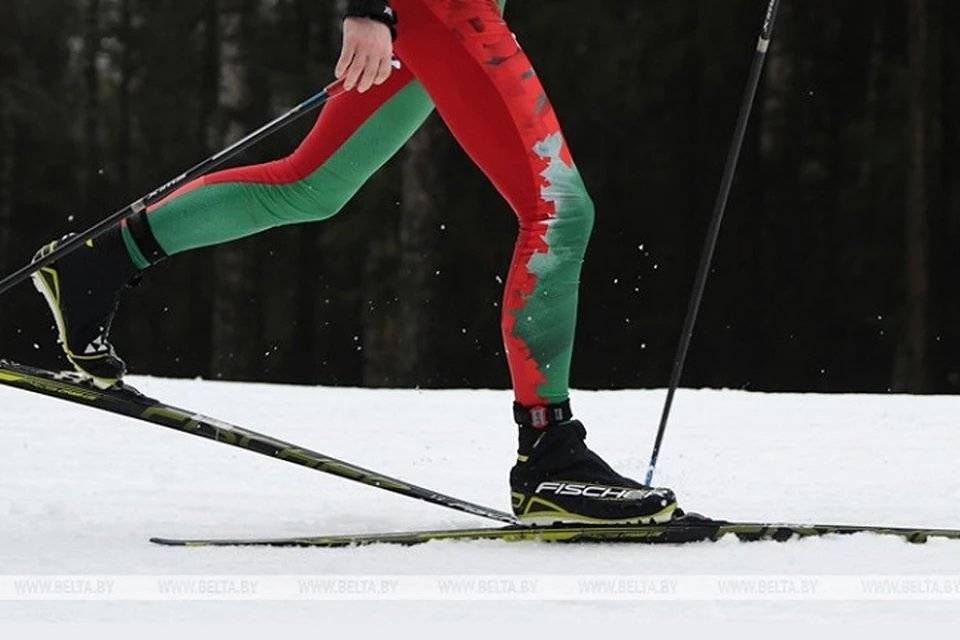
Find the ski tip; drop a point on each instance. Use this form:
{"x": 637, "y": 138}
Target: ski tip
{"x": 169, "y": 542}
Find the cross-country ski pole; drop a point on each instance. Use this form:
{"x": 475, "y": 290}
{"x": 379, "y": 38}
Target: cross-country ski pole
{"x": 713, "y": 233}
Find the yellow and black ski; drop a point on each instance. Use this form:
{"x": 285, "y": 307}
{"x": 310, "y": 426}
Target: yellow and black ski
{"x": 680, "y": 531}
{"x": 127, "y": 401}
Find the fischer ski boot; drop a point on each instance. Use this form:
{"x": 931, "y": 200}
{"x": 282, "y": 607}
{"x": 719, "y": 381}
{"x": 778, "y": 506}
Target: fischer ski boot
{"x": 82, "y": 289}
{"x": 557, "y": 479}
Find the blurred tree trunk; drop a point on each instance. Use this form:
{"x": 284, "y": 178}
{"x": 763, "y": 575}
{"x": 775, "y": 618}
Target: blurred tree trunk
{"x": 209, "y": 88}
{"x": 875, "y": 70}
{"x": 778, "y": 157}
{"x": 8, "y": 63}
{"x": 283, "y": 335}
{"x": 6, "y": 179}
{"x": 328, "y": 313}
{"x": 910, "y": 367}
{"x": 419, "y": 234}
{"x": 209, "y": 139}
{"x": 125, "y": 91}
{"x": 310, "y": 334}
{"x": 93, "y": 157}
{"x": 940, "y": 285}
{"x": 377, "y": 287}
{"x": 235, "y": 349}
{"x": 949, "y": 266}
{"x": 279, "y": 300}
{"x": 379, "y": 324}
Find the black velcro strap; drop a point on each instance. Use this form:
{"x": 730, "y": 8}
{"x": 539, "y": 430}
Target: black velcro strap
{"x": 142, "y": 234}
{"x": 379, "y": 10}
{"x": 543, "y": 415}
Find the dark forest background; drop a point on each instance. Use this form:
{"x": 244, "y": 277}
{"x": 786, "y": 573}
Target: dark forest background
{"x": 837, "y": 265}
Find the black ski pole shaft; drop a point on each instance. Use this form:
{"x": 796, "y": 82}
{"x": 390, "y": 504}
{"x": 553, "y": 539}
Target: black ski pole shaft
{"x": 713, "y": 233}
{"x": 161, "y": 192}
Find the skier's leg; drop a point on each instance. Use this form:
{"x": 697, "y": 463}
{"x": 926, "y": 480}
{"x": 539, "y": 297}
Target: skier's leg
{"x": 487, "y": 91}
{"x": 354, "y": 135}
{"x": 489, "y": 95}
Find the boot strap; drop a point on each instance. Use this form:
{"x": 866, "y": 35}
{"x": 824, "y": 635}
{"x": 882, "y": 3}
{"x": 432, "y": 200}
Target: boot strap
{"x": 143, "y": 236}
{"x": 540, "y": 416}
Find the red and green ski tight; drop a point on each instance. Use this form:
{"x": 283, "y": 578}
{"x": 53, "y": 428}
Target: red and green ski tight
{"x": 459, "y": 57}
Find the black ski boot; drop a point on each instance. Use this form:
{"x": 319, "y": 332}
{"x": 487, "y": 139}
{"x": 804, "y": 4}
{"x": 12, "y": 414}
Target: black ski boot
{"x": 557, "y": 479}
{"x": 83, "y": 290}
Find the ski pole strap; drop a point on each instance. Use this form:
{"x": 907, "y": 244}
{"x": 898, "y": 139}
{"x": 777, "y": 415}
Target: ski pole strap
{"x": 143, "y": 236}
{"x": 540, "y": 416}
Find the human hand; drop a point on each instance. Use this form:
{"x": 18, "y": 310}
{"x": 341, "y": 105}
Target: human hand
{"x": 366, "y": 56}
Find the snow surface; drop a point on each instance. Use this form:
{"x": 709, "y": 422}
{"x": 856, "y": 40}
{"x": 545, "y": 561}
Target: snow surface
{"x": 82, "y": 491}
